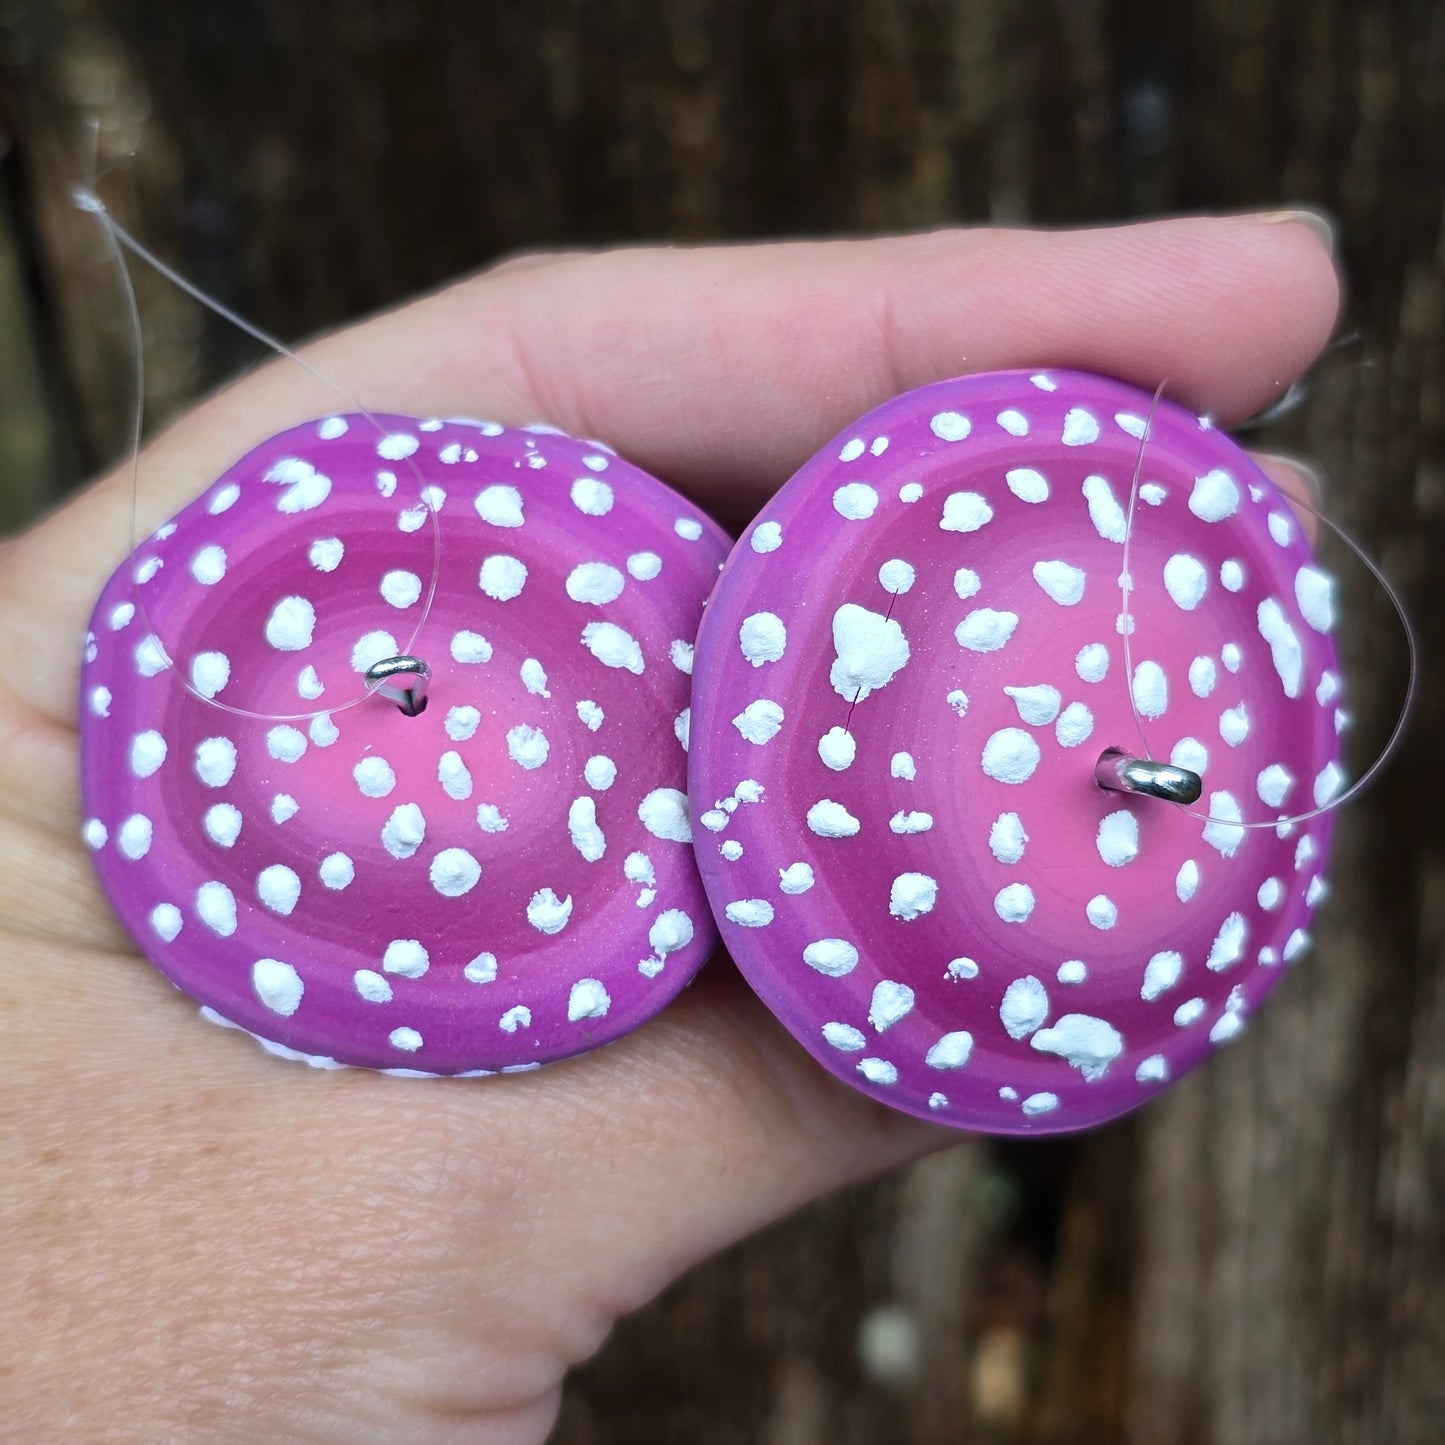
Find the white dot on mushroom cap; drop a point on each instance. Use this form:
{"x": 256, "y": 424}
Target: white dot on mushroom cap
{"x": 1006, "y": 838}
{"x": 1134, "y": 426}
{"x": 404, "y": 831}
{"x": 1072, "y": 971}
{"x": 896, "y": 576}
{"x": 890, "y": 1003}
{"x": 766, "y": 537}
{"x": 950, "y": 426}
{"x": 1025, "y": 1006}
{"x": 644, "y": 566}
{"x": 454, "y": 872}
{"x": 285, "y": 743}
{"x": 1074, "y": 726}
{"x": 1010, "y": 756}
{"x": 750, "y": 912}
{"x": 547, "y": 913}
{"x": 1273, "y": 784}
{"x": 759, "y": 721}
{"x": 1015, "y": 423}
{"x": 208, "y": 566}
{"x": 337, "y": 871}
{"x": 223, "y": 824}
{"x": 134, "y": 837}
{"x": 985, "y": 630}
{"x": 502, "y": 577}
{"x": 1231, "y": 576}
{"x": 407, "y": 957}
{"x": 374, "y": 776}
{"x": 323, "y": 732}
{"x": 1190, "y": 753}
{"x": 966, "y": 583}
{"x": 1161, "y": 973}
{"x": 1027, "y": 484}
{"x": 371, "y": 648}
{"x": 831, "y": 820}
{"x": 732, "y": 850}
{"x": 278, "y": 888}
{"x": 837, "y": 748}
{"x": 1215, "y": 496}
{"x": 962, "y": 968}
{"x": 454, "y": 776}
{"x": 1118, "y": 838}
{"x": 146, "y": 570}
{"x": 1080, "y": 427}
{"x": 1234, "y": 725}
{"x": 903, "y": 766}
{"x": 1037, "y": 704}
{"x": 591, "y": 496}
{"x": 588, "y": 839}
{"x": 1222, "y": 832}
{"x": 1060, "y": 581}
{"x": 844, "y": 1037}
{"x": 870, "y": 649}
{"x": 587, "y": 1000}
{"x": 1284, "y": 645}
{"x": 762, "y": 638}
{"x": 1270, "y": 895}
{"x": 150, "y": 657}
{"x": 500, "y": 506}
{"x": 1036, "y": 1104}
{"x": 1186, "y": 881}
{"x": 1314, "y": 592}
{"x": 1101, "y": 911}
{"x": 1185, "y": 580}
{"x": 911, "y": 894}
{"x": 1231, "y": 657}
{"x": 224, "y": 499}
{"x": 1084, "y": 1042}
{"x": 534, "y": 677}
{"x": 1091, "y": 662}
{"x": 216, "y": 908}
{"x": 1014, "y": 903}
{"x": 1279, "y": 528}
{"x": 291, "y": 624}
{"x": 95, "y": 833}
{"x": 215, "y": 761}
{"x": 147, "y": 753}
{"x": 401, "y": 588}
{"x": 277, "y": 985}
{"x": 688, "y": 528}
{"x": 853, "y": 448}
{"x": 1327, "y": 784}
{"x": 965, "y": 512}
{"x": 594, "y": 582}
{"x": 167, "y": 921}
{"x": 210, "y": 672}
{"x": 121, "y": 615}
{"x": 1202, "y": 676}
{"x": 100, "y": 700}
{"x": 1105, "y": 512}
{"x": 831, "y": 956}
{"x": 613, "y": 647}
{"x": 284, "y": 807}
{"x": 527, "y": 746}
{"x": 856, "y": 501}
{"x": 878, "y": 1071}
{"x": 906, "y": 824}
{"x": 1151, "y": 689}
{"x": 795, "y": 878}
{"x": 958, "y": 701}
{"x": 1228, "y": 946}
{"x": 372, "y": 986}
{"x": 681, "y": 655}
{"x": 482, "y": 969}
{"x": 664, "y": 814}
{"x": 467, "y": 647}
{"x": 405, "y": 1039}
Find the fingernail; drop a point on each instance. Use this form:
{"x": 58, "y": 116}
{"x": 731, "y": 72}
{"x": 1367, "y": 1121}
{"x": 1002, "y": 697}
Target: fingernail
{"x": 1313, "y": 481}
{"x": 1314, "y": 220}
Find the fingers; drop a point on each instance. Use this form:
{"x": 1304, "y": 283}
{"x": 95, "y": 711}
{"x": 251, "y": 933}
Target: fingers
{"x": 722, "y": 369}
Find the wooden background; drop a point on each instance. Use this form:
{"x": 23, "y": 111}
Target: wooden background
{"x": 1259, "y": 1257}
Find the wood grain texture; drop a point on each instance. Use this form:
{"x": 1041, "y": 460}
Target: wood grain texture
{"x": 1260, "y": 1256}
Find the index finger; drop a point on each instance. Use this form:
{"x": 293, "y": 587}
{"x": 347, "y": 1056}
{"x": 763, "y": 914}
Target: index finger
{"x": 721, "y": 369}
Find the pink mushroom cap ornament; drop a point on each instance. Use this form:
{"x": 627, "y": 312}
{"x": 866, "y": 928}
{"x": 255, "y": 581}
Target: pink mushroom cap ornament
{"x": 909, "y": 684}
{"x": 497, "y": 874}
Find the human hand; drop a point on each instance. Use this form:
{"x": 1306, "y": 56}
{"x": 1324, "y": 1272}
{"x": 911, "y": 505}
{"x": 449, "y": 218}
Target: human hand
{"x": 202, "y": 1241}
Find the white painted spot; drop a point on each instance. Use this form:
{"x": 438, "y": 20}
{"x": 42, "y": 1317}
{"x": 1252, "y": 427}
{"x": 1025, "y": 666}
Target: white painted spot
{"x": 613, "y": 647}
{"x": 1271, "y": 894}
{"x": 469, "y": 647}
{"x": 852, "y": 449}
{"x": 1280, "y": 528}
{"x": 1295, "y": 945}
{"x": 1060, "y": 581}
{"x": 1015, "y": 423}
{"x": 372, "y": 986}
{"x": 966, "y": 583}
{"x": 1190, "y": 753}
{"x": 1161, "y": 973}
{"x": 134, "y": 837}
{"x": 896, "y": 576}
{"x": 1151, "y": 689}
{"x": 454, "y": 872}
{"x": 1118, "y": 838}
{"x": 146, "y": 570}
{"x": 1037, "y": 704}
{"x": 985, "y": 630}
{"x": 590, "y": 715}
{"x": 831, "y": 956}
{"x": 732, "y": 850}
{"x": 277, "y": 985}
{"x": 1214, "y": 497}
{"x": 844, "y": 1037}
{"x": 150, "y": 657}
{"x": 1086, "y": 1043}
{"x": 279, "y": 888}
{"x": 1027, "y": 484}
{"x": 912, "y": 894}
{"x": 902, "y": 766}
{"x": 890, "y": 1002}
{"x": 502, "y": 577}
{"x": 208, "y": 566}
{"x": 100, "y": 700}
{"x": 762, "y": 638}
{"x": 404, "y": 831}
{"x": 1006, "y": 838}
{"x": 1153, "y": 1070}
{"x": 323, "y": 732}
{"x": 1080, "y": 427}
{"x": 1273, "y": 785}
{"x": 856, "y": 501}
{"x": 374, "y": 777}
{"x": 1202, "y": 676}
{"x": 1188, "y": 1012}
{"x": 1091, "y": 662}
{"x": 591, "y": 497}
{"x": 1234, "y": 725}
{"x": 909, "y": 823}
{"x": 401, "y": 588}
{"x": 878, "y": 1071}
{"x": 961, "y": 968}
{"x": 759, "y": 721}
{"x": 1044, "y": 382}
{"x": 965, "y": 512}
{"x": 1074, "y": 726}
{"x": 1134, "y": 426}
{"x": 1024, "y": 1008}
{"x": 547, "y": 913}
{"x": 1186, "y": 580}
{"x": 870, "y": 650}
{"x": 210, "y": 672}
{"x": 283, "y": 808}
{"x": 587, "y": 838}
{"x": 534, "y": 677}
{"x": 587, "y": 1000}
{"x": 671, "y": 931}
{"x": 527, "y": 746}
{"x": 286, "y": 744}
{"x": 406, "y": 1039}
{"x": 594, "y": 582}
{"x": 372, "y": 648}
{"x": 1014, "y": 903}
{"x": 958, "y": 701}
{"x": 1314, "y": 592}
{"x": 1036, "y": 1104}
{"x": 664, "y": 814}
{"x": 216, "y": 907}
{"x": 1222, "y": 832}
{"x": 831, "y": 820}
{"x": 1072, "y": 971}
{"x": 291, "y": 624}
{"x": 1328, "y": 782}
{"x": 950, "y": 426}
{"x": 766, "y": 537}
{"x": 688, "y": 528}
{"x": 837, "y": 748}
{"x": 1010, "y": 756}
{"x": 1231, "y": 657}
{"x": 501, "y": 506}
{"x": 1152, "y": 493}
{"x": 1102, "y": 911}
{"x": 337, "y": 871}
{"x": 1104, "y": 511}
{"x": 215, "y": 761}
{"x": 147, "y": 753}
{"x": 223, "y": 824}
{"x": 1228, "y": 945}
{"x": 749, "y": 912}
{"x": 795, "y": 878}
{"x": 166, "y": 920}
{"x": 224, "y": 499}
{"x": 482, "y": 969}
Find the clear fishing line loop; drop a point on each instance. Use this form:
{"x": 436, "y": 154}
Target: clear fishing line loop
{"x": 1282, "y": 821}
{"x": 119, "y": 241}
